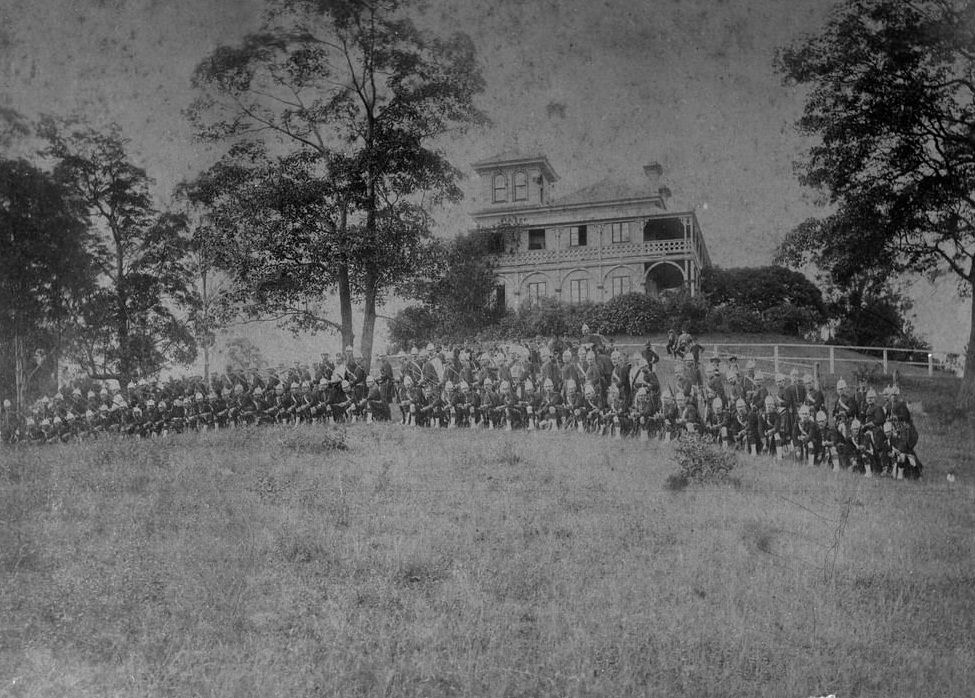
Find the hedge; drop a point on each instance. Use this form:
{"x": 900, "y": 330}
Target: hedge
{"x": 630, "y": 314}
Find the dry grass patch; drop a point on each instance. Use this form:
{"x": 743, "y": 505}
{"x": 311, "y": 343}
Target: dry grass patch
{"x": 474, "y": 563}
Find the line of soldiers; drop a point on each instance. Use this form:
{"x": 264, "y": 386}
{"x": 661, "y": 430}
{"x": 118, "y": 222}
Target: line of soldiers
{"x": 150, "y": 408}
{"x": 590, "y": 388}
{"x": 609, "y": 393}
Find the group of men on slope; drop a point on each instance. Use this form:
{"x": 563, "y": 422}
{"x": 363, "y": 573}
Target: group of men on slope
{"x": 589, "y": 387}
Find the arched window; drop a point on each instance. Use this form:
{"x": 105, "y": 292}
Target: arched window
{"x": 500, "y": 188}
{"x": 521, "y": 186}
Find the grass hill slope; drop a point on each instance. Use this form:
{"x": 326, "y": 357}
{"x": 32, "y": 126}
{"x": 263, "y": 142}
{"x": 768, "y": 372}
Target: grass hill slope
{"x": 419, "y": 563}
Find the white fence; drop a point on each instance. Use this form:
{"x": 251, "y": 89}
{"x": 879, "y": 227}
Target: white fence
{"x": 824, "y": 359}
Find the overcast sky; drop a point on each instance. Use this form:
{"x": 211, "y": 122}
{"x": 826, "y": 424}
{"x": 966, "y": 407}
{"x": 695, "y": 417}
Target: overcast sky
{"x": 601, "y": 87}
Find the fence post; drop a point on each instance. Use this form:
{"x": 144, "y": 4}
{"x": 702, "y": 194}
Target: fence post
{"x": 775, "y": 357}
{"x": 817, "y": 380}
{"x": 930, "y": 365}
{"x": 832, "y": 360}
{"x": 885, "y": 362}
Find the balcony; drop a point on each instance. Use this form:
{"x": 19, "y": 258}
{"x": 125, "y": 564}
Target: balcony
{"x": 659, "y": 249}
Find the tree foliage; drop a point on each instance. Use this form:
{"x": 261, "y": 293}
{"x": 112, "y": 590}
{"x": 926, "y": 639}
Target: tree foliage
{"x": 460, "y": 288}
{"x": 891, "y": 103}
{"x": 761, "y": 288}
{"x": 44, "y": 265}
{"x": 350, "y": 96}
{"x": 128, "y": 324}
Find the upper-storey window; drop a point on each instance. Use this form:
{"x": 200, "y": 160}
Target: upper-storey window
{"x": 620, "y": 231}
{"x": 521, "y": 186}
{"x": 536, "y": 239}
{"x": 500, "y": 188}
{"x": 577, "y": 236}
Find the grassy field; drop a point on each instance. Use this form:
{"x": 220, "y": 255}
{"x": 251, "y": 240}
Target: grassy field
{"x": 418, "y": 563}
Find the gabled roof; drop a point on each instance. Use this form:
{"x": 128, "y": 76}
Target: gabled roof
{"x": 512, "y": 157}
{"x": 605, "y": 190}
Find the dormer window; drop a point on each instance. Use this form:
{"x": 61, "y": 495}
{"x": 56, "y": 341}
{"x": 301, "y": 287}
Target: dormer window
{"x": 521, "y": 186}
{"x": 500, "y": 188}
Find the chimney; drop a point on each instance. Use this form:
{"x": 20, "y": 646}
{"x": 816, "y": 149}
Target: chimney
{"x": 653, "y": 171}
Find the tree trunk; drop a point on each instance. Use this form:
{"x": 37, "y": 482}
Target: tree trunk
{"x": 122, "y": 319}
{"x": 345, "y": 306}
{"x": 368, "y": 320}
{"x": 966, "y": 393}
{"x": 206, "y": 323}
{"x": 345, "y": 288}
{"x": 19, "y": 374}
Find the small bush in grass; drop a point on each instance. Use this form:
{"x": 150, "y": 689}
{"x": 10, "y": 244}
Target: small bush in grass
{"x": 509, "y": 455}
{"x": 700, "y": 462}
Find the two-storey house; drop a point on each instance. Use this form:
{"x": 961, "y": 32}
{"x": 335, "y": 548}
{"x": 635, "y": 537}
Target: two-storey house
{"x": 602, "y": 241}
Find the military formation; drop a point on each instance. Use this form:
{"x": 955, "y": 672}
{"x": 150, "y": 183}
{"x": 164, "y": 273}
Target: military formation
{"x": 553, "y": 385}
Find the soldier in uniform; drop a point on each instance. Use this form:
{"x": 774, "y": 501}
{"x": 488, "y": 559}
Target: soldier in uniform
{"x": 716, "y": 422}
{"x": 795, "y": 392}
{"x": 807, "y": 442}
{"x": 433, "y": 369}
{"x": 672, "y": 343}
{"x": 217, "y": 408}
{"x": 733, "y": 371}
{"x": 492, "y": 407}
{"x": 590, "y": 408}
{"x": 407, "y": 401}
{"x": 614, "y": 420}
{"x": 716, "y": 384}
{"x": 572, "y": 403}
{"x": 902, "y": 440}
{"x": 8, "y": 423}
{"x": 472, "y": 401}
{"x": 845, "y": 408}
{"x": 743, "y": 428}
{"x": 768, "y": 422}
{"x": 620, "y": 377}
{"x": 374, "y": 406}
{"x": 514, "y": 417}
{"x": 689, "y": 418}
{"x": 669, "y": 416}
{"x": 814, "y": 396}
{"x": 570, "y": 370}
{"x": 550, "y": 409}
{"x": 687, "y": 378}
{"x": 386, "y": 380}
{"x": 454, "y": 404}
{"x": 861, "y": 457}
{"x": 835, "y": 446}
{"x": 593, "y": 375}
{"x": 413, "y": 367}
{"x": 642, "y": 413}
{"x": 346, "y": 409}
{"x": 895, "y": 406}
{"x": 532, "y": 403}
{"x": 649, "y": 355}
{"x": 751, "y": 382}
{"x": 549, "y": 370}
